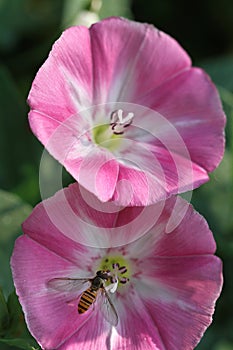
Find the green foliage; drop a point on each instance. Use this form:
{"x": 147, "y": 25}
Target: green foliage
{"x": 215, "y": 201}
{"x": 16, "y": 144}
{"x": 115, "y": 8}
{"x": 13, "y": 112}
{"x": 20, "y": 19}
{"x": 13, "y": 211}
{"x": 82, "y": 11}
{"x": 13, "y": 329}
{"x": 71, "y": 9}
{"x": 221, "y": 71}
{"x": 4, "y": 315}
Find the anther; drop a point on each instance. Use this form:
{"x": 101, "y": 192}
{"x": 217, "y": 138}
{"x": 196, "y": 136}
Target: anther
{"x": 118, "y": 122}
{"x": 113, "y": 279}
{"x": 122, "y": 269}
{"x": 115, "y": 265}
{"x": 123, "y": 280}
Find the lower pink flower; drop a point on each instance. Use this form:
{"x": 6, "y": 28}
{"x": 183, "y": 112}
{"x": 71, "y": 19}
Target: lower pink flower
{"x": 163, "y": 286}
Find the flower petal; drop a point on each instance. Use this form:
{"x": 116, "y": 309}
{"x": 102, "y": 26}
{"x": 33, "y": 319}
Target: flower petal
{"x": 64, "y": 82}
{"x": 180, "y": 231}
{"x": 126, "y": 53}
{"x": 64, "y": 140}
{"x": 47, "y": 226}
{"x": 189, "y": 233}
{"x": 156, "y": 173}
{"x": 98, "y": 173}
{"x": 94, "y": 335}
{"x": 137, "y": 188}
{"x": 190, "y": 102}
{"x": 180, "y": 295}
{"x": 74, "y": 221}
{"x": 46, "y": 311}
{"x": 144, "y": 334}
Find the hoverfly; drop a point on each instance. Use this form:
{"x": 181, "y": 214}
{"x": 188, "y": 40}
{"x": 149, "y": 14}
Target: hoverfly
{"x": 95, "y": 289}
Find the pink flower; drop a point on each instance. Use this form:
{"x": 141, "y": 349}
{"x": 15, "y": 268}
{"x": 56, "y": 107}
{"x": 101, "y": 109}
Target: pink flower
{"x": 162, "y": 286}
{"x": 120, "y": 106}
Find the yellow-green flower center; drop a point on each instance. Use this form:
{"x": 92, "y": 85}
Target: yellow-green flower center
{"x": 118, "y": 267}
{"x": 110, "y": 135}
{"x": 104, "y": 137}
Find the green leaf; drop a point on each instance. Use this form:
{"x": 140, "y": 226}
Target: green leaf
{"x": 12, "y": 111}
{"x": 72, "y": 8}
{"x": 227, "y": 97}
{"x": 18, "y": 328}
{"x": 227, "y": 100}
{"x": 221, "y": 71}
{"x": 4, "y": 316}
{"x": 85, "y": 12}
{"x": 215, "y": 201}
{"x": 13, "y": 211}
{"x": 224, "y": 345}
{"x": 19, "y": 343}
{"x": 13, "y": 329}
{"x": 17, "y": 146}
{"x": 19, "y": 18}
{"x": 115, "y": 8}
{"x": 17, "y": 333}
{"x": 17, "y": 324}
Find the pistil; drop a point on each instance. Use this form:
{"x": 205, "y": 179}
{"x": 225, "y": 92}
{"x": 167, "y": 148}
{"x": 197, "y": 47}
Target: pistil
{"x": 117, "y": 268}
{"x": 119, "y": 122}
{"x": 110, "y": 135}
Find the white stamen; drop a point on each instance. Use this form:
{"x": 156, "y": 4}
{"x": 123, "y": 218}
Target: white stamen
{"x": 117, "y": 117}
{"x": 120, "y": 115}
{"x": 119, "y": 122}
{"x": 112, "y": 287}
{"x": 128, "y": 118}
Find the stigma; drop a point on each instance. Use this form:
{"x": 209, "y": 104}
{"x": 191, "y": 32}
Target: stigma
{"x": 117, "y": 269}
{"x": 119, "y": 122}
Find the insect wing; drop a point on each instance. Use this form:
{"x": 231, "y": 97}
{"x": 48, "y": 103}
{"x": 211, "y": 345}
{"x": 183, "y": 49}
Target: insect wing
{"x": 107, "y": 308}
{"x": 65, "y": 284}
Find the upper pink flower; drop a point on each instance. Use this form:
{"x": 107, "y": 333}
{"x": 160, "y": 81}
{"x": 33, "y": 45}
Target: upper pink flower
{"x": 120, "y": 106}
{"x": 167, "y": 283}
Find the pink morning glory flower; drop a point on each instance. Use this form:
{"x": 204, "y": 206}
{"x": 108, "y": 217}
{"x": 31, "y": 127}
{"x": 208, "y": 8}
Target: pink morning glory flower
{"x": 120, "y": 106}
{"x": 162, "y": 287}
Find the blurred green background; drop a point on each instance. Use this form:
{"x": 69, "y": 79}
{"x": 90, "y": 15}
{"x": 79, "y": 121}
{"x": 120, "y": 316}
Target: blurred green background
{"x": 27, "y": 30}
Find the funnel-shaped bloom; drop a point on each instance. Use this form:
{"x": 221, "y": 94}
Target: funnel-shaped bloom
{"x": 120, "y": 106}
{"x": 166, "y": 284}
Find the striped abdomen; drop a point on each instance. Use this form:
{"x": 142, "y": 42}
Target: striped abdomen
{"x": 87, "y": 299}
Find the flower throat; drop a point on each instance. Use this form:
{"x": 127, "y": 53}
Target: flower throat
{"x": 118, "y": 269}
{"x": 110, "y": 135}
